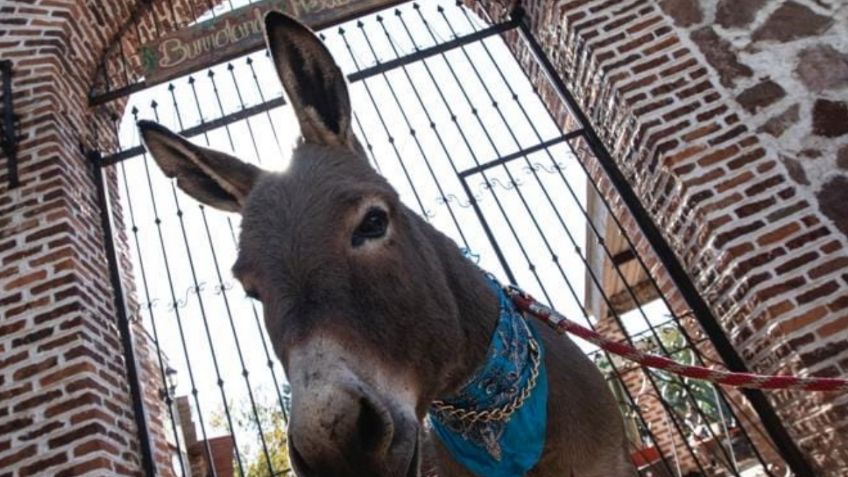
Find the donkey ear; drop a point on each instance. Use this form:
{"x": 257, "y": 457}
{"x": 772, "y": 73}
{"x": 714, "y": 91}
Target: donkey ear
{"x": 213, "y": 178}
{"x": 313, "y": 82}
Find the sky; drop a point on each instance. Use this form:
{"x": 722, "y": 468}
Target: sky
{"x": 198, "y": 243}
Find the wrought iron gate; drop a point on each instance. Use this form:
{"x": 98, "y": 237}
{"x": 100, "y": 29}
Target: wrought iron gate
{"x": 446, "y": 113}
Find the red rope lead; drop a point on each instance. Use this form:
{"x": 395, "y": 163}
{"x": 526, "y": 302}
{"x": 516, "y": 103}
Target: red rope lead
{"x": 742, "y": 380}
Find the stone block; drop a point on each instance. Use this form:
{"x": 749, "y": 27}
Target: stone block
{"x": 736, "y": 14}
{"x": 721, "y": 55}
{"x": 760, "y": 95}
{"x": 833, "y": 200}
{"x": 822, "y": 67}
{"x": 830, "y": 118}
{"x": 790, "y": 22}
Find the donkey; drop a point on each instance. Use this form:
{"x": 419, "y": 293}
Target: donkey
{"x": 376, "y": 316}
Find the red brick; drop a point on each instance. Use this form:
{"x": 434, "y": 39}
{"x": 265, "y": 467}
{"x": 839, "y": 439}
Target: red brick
{"x": 42, "y": 430}
{"x": 779, "y": 234}
{"x": 796, "y": 262}
{"x": 95, "y": 445}
{"x": 38, "y": 400}
{"x": 17, "y": 456}
{"x": 837, "y": 326}
{"x": 25, "y": 280}
{"x": 83, "y": 468}
{"x": 805, "y": 319}
{"x": 67, "y": 372}
{"x": 818, "y": 292}
{"x": 39, "y": 467}
{"x": 728, "y": 236}
{"x": 838, "y": 263}
{"x": 36, "y": 368}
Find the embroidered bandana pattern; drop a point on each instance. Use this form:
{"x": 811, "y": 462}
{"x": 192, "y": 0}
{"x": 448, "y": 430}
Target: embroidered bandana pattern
{"x": 511, "y": 447}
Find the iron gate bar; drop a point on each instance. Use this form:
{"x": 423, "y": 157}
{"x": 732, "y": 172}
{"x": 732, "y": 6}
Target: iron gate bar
{"x": 201, "y": 128}
{"x": 475, "y": 113}
{"x": 488, "y": 231}
{"x": 202, "y": 309}
{"x": 771, "y": 421}
{"x": 176, "y": 309}
{"x": 522, "y": 153}
{"x": 249, "y": 62}
{"x": 122, "y": 319}
{"x": 390, "y": 138}
{"x": 268, "y": 361}
{"x": 379, "y": 68}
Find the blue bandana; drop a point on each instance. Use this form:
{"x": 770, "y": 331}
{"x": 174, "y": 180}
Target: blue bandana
{"x": 507, "y": 448}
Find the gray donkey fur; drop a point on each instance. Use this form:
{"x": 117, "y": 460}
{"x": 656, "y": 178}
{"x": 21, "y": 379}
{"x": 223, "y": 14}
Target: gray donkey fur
{"x": 373, "y": 312}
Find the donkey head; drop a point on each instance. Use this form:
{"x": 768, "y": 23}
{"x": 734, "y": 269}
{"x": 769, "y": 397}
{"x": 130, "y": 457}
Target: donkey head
{"x": 359, "y": 293}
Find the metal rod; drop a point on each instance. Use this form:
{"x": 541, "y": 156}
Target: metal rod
{"x": 9, "y": 142}
{"x": 175, "y": 306}
{"x": 519, "y": 154}
{"x": 488, "y": 184}
{"x": 421, "y": 54}
{"x": 199, "y": 129}
{"x": 245, "y": 374}
{"x": 771, "y": 421}
{"x": 123, "y": 320}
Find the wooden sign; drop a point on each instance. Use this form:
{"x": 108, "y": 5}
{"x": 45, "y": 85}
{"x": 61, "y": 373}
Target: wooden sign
{"x": 237, "y": 33}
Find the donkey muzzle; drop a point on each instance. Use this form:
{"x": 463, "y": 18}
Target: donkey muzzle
{"x": 342, "y": 426}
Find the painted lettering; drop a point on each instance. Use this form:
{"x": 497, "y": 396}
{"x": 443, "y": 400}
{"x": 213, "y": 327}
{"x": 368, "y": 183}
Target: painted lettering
{"x": 234, "y": 33}
{"x": 173, "y": 53}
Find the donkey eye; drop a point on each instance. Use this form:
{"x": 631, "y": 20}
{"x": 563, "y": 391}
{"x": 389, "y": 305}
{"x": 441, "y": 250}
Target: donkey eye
{"x": 373, "y": 226}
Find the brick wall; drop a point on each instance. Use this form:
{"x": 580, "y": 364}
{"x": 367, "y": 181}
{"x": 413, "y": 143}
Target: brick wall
{"x": 65, "y": 407}
{"x": 729, "y": 119}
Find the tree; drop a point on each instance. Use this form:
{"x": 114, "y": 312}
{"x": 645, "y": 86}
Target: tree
{"x": 265, "y": 418}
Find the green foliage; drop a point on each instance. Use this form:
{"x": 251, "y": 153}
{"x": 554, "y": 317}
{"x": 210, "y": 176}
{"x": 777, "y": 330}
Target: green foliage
{"x": 149, "y": 59}
{"x": 268, "y": 421}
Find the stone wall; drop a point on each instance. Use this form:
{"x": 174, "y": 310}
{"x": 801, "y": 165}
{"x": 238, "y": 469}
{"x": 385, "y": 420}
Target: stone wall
{"x": 728, "y": 118}
{"x": 786, "y": 65}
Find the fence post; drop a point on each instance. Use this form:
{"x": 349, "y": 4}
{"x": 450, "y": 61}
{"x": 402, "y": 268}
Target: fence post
{"x": 122, "y": 317}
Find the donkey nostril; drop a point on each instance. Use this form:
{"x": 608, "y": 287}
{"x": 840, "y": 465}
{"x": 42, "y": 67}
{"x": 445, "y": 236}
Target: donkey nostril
{"x": 374, "y": 427}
